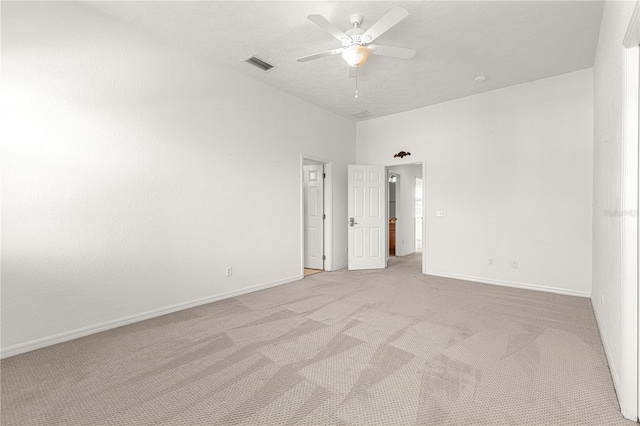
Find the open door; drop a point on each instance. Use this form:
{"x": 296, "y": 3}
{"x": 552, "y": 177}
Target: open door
{"x": 367, "y": 194}
{"x": 313, "y": 216}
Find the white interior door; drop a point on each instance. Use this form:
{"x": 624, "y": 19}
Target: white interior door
{"x": 367, "y": 189}
{"x": 313, "y": 216}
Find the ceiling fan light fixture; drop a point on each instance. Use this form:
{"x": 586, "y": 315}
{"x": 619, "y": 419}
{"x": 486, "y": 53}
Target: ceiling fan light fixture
{"x": 356, "y": 55}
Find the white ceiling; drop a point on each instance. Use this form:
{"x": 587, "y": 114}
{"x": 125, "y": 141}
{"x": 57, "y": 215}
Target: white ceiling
{"x": 510, "y": 42}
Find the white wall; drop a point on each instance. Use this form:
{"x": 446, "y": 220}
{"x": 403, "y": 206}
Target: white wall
{"x": 133, "y": 174}
{"x": 512, "y": 168}
{"x": 405, "y": 226}
{"x": 607, "y": 166}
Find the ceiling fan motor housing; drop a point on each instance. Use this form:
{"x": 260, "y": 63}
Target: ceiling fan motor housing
{"x": 354, "y": 37}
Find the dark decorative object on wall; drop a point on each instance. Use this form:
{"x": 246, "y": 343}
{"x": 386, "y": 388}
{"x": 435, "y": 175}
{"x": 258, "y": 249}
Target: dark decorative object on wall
{"x": 402, "y": 154}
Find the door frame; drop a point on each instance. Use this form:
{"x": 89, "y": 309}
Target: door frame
{"x": 328, "y": 210}
{"x": 629, "y": 392}
{"x": 390, "y": 172}
{"x": 415, "y": 181}
{"x": 422, "y": 161}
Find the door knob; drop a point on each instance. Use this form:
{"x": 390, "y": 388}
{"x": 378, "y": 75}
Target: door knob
{"x": 351, "y": 222}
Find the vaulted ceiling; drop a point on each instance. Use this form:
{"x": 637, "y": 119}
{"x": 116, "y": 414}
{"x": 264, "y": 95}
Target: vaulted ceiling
{"x": 511, "y": 42}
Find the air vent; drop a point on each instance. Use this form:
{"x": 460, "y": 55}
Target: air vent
{"x": 361, "y": 114}
{"x": 260, "y": 63}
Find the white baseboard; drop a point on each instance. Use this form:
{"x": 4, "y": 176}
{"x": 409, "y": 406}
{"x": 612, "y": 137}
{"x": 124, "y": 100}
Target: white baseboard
{"x": 607, "y": 351}
{"x": 513, "y": 284}
{"x": 108, "y": 325}
{"x": 404, "y": 253}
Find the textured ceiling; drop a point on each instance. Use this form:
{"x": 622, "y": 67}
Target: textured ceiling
{"x": 510, "y": 42}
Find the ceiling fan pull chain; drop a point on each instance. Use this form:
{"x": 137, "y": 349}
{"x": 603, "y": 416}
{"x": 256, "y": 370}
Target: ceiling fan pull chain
{"x": 356, "y": 87}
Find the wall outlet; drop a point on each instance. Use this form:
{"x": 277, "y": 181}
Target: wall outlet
{"x": 491, "y": 262}
{"x": 229, "y": 271}
{"x": 440, "y": 213}
{"x": 514, "y": 264}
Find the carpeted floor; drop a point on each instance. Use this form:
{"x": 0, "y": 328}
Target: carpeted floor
{"x": 388, "y": 347}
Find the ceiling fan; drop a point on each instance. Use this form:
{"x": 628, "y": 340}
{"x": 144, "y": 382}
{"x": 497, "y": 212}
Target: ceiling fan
{"x": 356, "y": 47}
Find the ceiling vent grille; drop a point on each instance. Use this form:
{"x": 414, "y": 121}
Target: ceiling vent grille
{"x": 259, "y": 63}
{"x": 362, "y": 114}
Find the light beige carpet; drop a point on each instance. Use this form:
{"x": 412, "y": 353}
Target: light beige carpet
{"x": 389, "y": 347}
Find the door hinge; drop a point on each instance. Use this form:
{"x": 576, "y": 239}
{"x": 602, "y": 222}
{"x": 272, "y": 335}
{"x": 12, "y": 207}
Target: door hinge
{"x": 324, "y": 257}
{"x": 324, "y": 216}
{"x": 324, "y": 176}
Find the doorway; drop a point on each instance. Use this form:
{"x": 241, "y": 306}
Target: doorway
{"x": 368, "y": 215}
{"x": 405, "y": 221}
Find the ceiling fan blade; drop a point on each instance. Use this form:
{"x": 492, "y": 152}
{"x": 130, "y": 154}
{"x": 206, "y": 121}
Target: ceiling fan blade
{"x": 320, "y": 21}
{"x": 394, "y": 52}
{"x": 392, "y": 17}
{"x": 320, "y": 55}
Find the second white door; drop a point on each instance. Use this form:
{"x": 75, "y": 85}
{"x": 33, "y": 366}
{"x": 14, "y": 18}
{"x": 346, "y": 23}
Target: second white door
{"x": 313, "y": 216}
